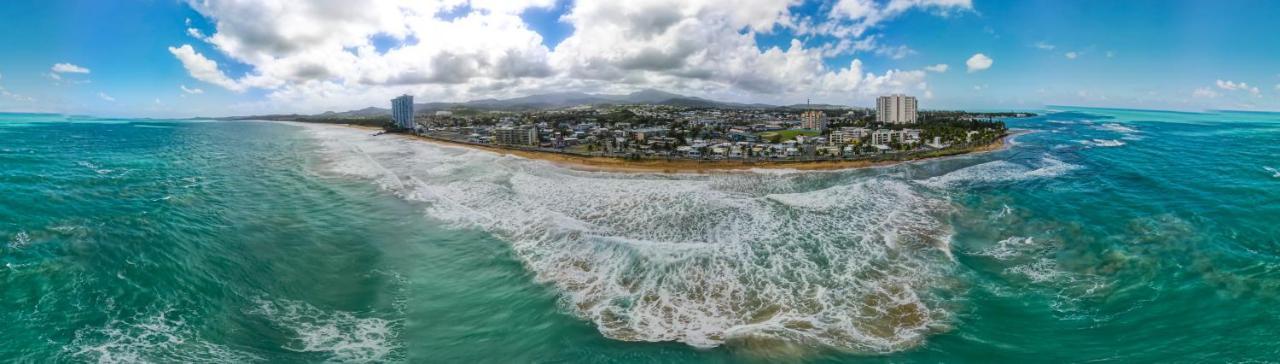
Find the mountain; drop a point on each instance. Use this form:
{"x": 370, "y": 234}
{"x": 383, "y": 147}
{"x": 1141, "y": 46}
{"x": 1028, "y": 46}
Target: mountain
{"x": 544, "y": 101}
{"x": 572, "y": 99}
{"x": 365, "y": 112}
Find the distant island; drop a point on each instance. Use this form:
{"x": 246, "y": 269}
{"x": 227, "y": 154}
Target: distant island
{"x": 657, "y": 131}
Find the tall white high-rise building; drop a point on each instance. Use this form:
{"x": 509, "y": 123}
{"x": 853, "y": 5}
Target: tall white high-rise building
{"x": 896, "y": 109}
{"x": 402, "y": 111}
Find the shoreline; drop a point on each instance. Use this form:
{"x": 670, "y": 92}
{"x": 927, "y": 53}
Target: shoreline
{"x": 613, "y": 164}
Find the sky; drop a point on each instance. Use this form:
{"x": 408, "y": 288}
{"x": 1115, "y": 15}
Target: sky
{"x": 172, "y": 58}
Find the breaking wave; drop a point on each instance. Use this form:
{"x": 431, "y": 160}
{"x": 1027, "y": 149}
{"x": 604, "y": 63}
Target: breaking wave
{"x": 1001, "y": 171}
{"x": 1103, "y": 143}
{"x": 1117, "y": 128}
{"x": 343, "y": 336}
{"x": 826, "y": 260}
{"x": 160, "y": 336}
{"x": 1274, "y": 172}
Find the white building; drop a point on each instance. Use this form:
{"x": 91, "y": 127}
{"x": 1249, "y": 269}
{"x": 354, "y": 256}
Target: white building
{"x": 896, "y": 109}
{"x": 402, "y": 111}
{"x": 516, "y": 136}
{"x": 882, "y": 137}
{"x": 848, "y": 135}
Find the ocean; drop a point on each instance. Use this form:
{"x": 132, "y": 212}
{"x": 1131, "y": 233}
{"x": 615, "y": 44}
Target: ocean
{"x": 1102, "y": 235}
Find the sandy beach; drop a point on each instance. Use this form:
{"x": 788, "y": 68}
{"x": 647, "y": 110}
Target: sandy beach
{"x": 612, "y": 164}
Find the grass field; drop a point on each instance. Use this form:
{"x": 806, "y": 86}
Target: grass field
{"x": 788, "y": 134}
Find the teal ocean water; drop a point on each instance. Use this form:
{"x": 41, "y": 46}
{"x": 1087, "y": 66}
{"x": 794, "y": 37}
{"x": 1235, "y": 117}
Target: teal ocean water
{"x": 1102, "y": 236}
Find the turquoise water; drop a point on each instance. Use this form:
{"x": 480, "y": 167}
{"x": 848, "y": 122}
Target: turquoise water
{"x": 1104, "y": 235}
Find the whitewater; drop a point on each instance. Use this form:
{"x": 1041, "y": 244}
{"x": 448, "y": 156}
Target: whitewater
{"x": 846, "y": 262}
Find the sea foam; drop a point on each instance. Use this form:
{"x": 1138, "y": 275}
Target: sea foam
{"x": 343, "y": 336}
{"x": 158, "y": 336}
{"x": 1001, "y": 171}
{"x": 851, "y": 264}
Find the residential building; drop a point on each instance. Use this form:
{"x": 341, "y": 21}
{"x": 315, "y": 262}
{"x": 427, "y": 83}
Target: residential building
{"x": 516, "y": 136}
{"x": 644, "y": 133}
{"x": 848, "y": 135}
{"x": 402, "y": 112}
{"x": 882, "y": 137}
{"x": 909, "y": 136}
{"x": 896, "y": 109}
{"x": 814, "y": 120}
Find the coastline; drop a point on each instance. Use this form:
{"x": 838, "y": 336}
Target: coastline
{"x": 613, "y": 164}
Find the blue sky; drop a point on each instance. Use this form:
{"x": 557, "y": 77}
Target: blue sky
{"x": 178, "y": 58}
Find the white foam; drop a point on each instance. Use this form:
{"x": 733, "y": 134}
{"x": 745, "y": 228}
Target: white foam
{"x": 1008, "y": 248}
{"x": 20, "y": 240}
{"x": 344, "y": 336}
{"x": 94, "y": 167}
{"x": 1043, "y": 270}
{"x": 691, "y": 258}
{"x": 1001, "y": 171}
{"x": 1103, "y": 142}
{"x": 161, "y": 336}
{"x": 1119, "y": 128}
{"x": 1274, "y": 172}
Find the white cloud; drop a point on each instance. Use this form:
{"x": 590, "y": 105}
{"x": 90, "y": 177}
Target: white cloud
{"x": 1238, "y": 86}
{"x": 194, "y": 91}
{"x": 978, "y": 62}
{"x": 197, "y": 34}
{"x": 319, "y": 55}
{"x": 938, "y": 68}
{"x": 1204, "y": 93}
{"x": 861, "y": 15}
{"x": 54, "y": 76}
{"x": 1071, "y": 55}
{"x": 1111, "y": 54}
{"x": 4, "y": 92}
{"x": 68, "y": 68}
{"x": 106, "y": 97}
{"x": 1043, "y": 45}
{"x": 204, "y": 69}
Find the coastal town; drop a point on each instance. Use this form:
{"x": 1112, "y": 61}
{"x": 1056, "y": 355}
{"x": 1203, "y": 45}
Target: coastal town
{"x": 894, "y": 129}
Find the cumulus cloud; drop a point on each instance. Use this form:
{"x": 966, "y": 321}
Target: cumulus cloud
{"x": 106, "y": 97}
{"x": 939, "y": 68}
{"x": 978, "y": 62}
{"x": 1044, "y": 45}
{"x": 204, "y": 69}
{"x": 321, "y": 54}
{"x": 1071, "y": 55}
{"x": 68, "y": 68}
{"x": 1238, "y": 86}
